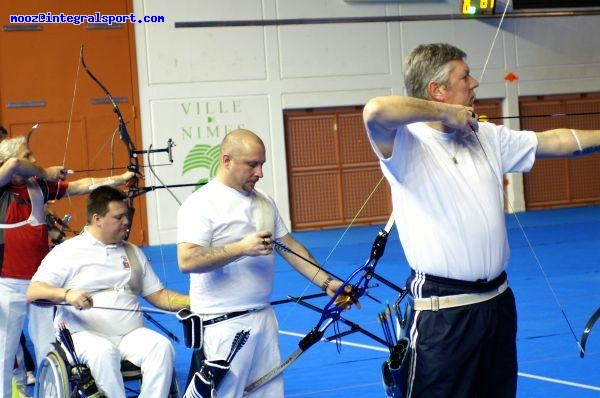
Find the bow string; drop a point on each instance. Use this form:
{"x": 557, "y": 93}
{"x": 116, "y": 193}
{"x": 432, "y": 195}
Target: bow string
{"x": 510, "y": 205}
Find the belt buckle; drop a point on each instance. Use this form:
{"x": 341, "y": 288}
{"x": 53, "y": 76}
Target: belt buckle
{"x": 435, "y": 303}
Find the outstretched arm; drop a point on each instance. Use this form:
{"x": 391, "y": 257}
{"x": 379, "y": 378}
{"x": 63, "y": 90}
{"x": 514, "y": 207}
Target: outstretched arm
{"x": 87, "y": 185}
{"x": 567, "y": 142}
{"x": 27, "y": 169}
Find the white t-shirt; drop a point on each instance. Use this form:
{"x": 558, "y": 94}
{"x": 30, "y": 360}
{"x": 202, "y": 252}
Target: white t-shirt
{"x": 450, "y": 214}
{"x": 216, "y": 215}
{"x": 83, "y": 263}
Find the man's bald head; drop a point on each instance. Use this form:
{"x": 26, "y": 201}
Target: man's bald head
{"x": 241, "y": 159}
{"x": 239, "y": 141}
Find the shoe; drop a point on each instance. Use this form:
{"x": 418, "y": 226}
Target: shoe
{"x": 23, "y": 392}
{"x": 19, "y": 390}
{"x": 30, "y": 378}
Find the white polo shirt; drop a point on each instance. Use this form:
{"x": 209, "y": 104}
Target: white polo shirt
{"x": 449, "y": 213}
{"x": 83, "y": 263}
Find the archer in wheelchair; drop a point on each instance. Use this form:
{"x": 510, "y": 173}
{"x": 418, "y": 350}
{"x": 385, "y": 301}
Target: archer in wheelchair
{"x": 95, "y": 280}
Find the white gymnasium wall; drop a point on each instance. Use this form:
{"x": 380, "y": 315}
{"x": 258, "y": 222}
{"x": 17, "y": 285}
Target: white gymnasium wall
{"x": 198, "y": 83}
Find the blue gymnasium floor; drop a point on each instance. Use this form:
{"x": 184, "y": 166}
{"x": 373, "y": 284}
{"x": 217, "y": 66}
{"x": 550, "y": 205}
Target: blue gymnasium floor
{"x": 567, "y": 243}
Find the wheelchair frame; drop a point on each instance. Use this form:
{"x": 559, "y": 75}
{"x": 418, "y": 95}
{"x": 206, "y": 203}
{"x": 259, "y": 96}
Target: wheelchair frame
{"x": 57, "y": 378}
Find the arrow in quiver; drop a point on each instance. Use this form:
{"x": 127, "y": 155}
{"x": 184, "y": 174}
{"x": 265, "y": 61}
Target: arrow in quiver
{"x": 205, "y": 382}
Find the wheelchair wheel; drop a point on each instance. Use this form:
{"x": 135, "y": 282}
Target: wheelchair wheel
{"x": 52, "y": 378}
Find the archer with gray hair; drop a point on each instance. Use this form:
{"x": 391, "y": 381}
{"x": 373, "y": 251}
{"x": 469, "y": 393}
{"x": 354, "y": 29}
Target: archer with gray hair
{"x": 9, "y": 147}
{"x": 25, "y": 188}
{"x": 445, "y": 170}
{"x": 426, "y": 63}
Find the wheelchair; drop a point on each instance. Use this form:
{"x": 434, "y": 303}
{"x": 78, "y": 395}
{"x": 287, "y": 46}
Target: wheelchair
{"x": 57, "y": 378}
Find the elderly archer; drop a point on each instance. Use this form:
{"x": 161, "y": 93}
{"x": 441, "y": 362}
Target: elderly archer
{"x": 98, "y": 268}
{"x": 445, "y": 170}
{"x": 24, "y": 189}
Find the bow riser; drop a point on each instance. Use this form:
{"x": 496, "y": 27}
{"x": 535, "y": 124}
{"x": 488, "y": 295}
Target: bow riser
{"x": 330, "y": 312}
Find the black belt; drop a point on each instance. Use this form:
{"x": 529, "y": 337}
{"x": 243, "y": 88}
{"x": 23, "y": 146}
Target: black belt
{"x": 469, "y": 286}
{"x": 225, "y": 317}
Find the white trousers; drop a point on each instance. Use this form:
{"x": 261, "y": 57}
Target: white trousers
{"x": 258, "y": 356}
{"x": 143, "y": 347}
{"x": 13, "y": 307}
{"x": 41, "y": 330}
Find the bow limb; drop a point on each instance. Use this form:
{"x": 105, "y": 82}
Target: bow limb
{"x": 122, "y": 128}
{"x": 307, "y": 341}
{"x": 331, "y": 312}
{"x": 133, "y": 166}
{"x": 586, "y": 331}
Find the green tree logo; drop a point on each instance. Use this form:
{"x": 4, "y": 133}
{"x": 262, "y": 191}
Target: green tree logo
{"x": 202, "y": 157}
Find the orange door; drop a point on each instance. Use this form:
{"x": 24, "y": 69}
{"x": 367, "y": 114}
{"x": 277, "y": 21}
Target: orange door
{"x": 42, "y": 80}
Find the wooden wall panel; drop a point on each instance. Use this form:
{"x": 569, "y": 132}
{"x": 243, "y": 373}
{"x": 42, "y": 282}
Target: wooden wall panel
{"x": 42, "y": 67}
{"x": 332, "y": 170}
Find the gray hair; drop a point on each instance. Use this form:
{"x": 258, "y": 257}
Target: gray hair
{"x": 427, "y": 63}
{"x": 10, "y": 147}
